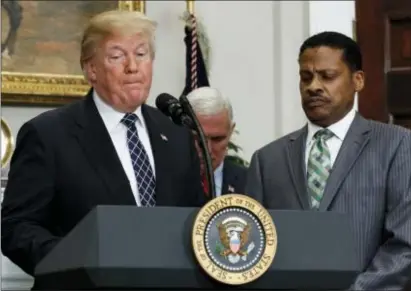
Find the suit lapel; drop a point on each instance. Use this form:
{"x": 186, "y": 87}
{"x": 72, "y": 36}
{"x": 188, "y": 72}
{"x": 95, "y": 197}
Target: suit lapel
{"x": 352, "y": 146}
{"x": 295, "y": 158}
{"x": 93, "y": 137}
{"x": 224, "y": 187}
{"x": 159, "y": 143}
{"x": 228, "y": 176}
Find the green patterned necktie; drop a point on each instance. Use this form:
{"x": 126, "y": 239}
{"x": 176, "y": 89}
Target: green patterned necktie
{"x": 318, "y": 167}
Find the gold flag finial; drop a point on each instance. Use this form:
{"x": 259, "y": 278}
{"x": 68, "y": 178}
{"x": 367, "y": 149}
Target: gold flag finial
{"x": 142, "y": 6}
{"x": 190, "y": 6}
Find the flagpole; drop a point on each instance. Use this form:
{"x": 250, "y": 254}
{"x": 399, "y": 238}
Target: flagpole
{"x": 194, "y": 36}
{"x": 210, "y": 189}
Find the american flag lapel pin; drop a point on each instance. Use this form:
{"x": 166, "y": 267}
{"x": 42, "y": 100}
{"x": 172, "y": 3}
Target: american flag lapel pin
{"x": 231, "y": 189}
{"x": 163, "y": 137}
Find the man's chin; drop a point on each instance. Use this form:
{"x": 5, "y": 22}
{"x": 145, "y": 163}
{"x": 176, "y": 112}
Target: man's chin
{"x": 137, "y": 95}
{"x": 317, "y": 114}
{"x": 134, "y": 99}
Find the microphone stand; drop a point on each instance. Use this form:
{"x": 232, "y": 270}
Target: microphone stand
{"x": 203, "y": 144}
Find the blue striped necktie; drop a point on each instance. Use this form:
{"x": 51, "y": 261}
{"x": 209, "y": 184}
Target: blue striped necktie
{"x": 141, "y": 164}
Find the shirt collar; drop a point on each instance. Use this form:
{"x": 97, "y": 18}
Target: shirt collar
{"x": 219, "y": 169}
{"x": 339, "y": 129}
{"x": 111, "y": 117}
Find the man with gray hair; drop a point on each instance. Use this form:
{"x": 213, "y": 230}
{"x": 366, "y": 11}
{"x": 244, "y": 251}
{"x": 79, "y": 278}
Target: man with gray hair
{"x": 215, "y": 115}
{"x": 108, "y": 148}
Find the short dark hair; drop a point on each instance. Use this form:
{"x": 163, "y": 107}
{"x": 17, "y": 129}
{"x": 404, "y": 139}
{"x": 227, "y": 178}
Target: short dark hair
{"x": 351, "y": 50}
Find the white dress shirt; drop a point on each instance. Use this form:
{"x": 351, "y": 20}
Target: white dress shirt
{"x": 339, "y": 129}
{"x": 118, "y": 134}
{"x": 218, "y": 179}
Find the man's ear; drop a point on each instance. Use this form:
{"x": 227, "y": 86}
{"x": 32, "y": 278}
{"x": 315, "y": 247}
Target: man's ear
{"x": 232, "y": 128}
{"x": 359, "y": 80}
{"x": 90, "y": 72}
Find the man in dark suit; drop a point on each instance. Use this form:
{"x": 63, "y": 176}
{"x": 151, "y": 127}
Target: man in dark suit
{"x": 234, "y": 177}
{"x": 342, "y": 162}
{"x": 109, "y": 148}
{"x": 215, "y": 115}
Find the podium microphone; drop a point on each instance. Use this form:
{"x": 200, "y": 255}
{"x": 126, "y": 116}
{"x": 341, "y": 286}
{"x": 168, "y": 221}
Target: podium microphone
{"x": 171, "y": 107}
{"x": 182, "y": 113}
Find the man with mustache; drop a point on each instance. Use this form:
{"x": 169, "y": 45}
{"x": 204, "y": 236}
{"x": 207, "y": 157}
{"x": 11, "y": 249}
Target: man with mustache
{"x": 342, "y": 162}
{"x": 110, "y": 148}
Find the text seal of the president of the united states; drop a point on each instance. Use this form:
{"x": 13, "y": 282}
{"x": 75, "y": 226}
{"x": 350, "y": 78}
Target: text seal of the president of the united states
{"x": 234, "y": 239}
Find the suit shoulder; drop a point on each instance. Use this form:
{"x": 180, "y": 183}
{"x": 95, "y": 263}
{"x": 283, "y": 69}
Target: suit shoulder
{"x": 51, "y": 119}
{"x": 234, "y": 167}
{"x": 389, "y": 132}
{"x": 279, "y": 143}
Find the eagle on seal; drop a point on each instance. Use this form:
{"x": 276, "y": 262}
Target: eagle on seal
{"x": 233, "y": 241}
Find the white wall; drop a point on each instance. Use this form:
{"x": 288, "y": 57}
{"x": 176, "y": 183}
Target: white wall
{"x": 332, "y": 15}
{"x": 242, "y": 60}
{"x": 254, "y": 62}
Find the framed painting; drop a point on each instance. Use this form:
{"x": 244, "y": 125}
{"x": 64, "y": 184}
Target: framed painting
{"x": 40, "y": 49}
{"x": 7, "y": 143}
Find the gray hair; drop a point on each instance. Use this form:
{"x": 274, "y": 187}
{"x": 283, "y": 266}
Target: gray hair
{"x": 209, "y": 101}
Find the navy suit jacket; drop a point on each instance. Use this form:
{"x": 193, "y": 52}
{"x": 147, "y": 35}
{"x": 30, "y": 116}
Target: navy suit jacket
{"x": 234, "y": 178}
{"x": 65, "y": 164}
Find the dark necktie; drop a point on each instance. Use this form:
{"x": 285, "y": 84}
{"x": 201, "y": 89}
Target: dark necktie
{"x": 141, "y": 164}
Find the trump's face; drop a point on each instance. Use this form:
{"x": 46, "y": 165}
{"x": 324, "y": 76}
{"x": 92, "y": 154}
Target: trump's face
{"x": 121, "y": 71}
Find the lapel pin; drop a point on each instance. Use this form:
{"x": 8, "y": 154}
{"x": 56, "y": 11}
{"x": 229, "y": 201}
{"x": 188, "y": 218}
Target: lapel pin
{"x": 230, "y": 189}
{"x": 163, "y": 137}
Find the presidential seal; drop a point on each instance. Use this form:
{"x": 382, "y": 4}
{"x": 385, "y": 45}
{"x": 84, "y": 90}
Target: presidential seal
{"x": 234, "y": 239}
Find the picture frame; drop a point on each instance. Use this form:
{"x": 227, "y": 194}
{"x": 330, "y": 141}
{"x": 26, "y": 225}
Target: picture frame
{"x": 7, "y": 143}
{"x": 36, "y": 85}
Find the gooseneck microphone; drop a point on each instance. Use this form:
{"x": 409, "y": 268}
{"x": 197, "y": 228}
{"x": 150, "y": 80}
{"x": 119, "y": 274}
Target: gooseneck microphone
{"x": 203, "y": 145}
{"x": 182, "y": 113}
{"x": 171, "y": 107}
